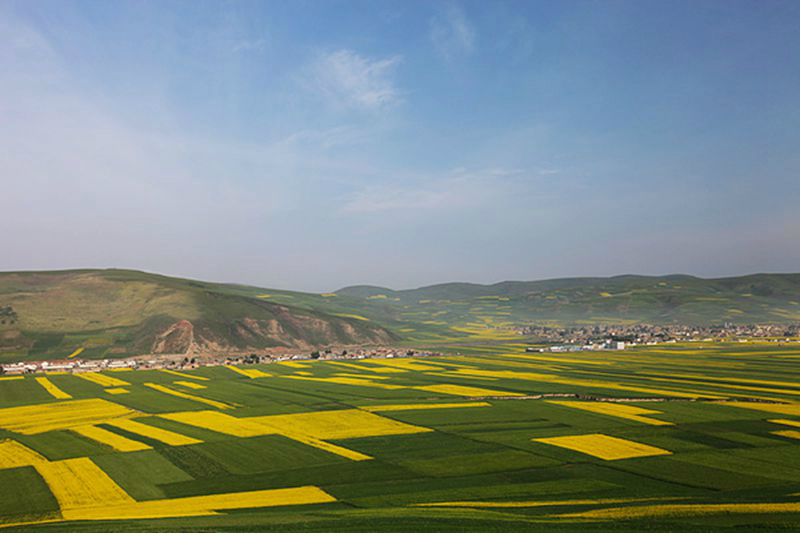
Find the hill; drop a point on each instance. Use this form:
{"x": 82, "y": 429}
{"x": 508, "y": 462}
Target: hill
{"x": 118, "y": 313}
{"x": 681, "y": 299}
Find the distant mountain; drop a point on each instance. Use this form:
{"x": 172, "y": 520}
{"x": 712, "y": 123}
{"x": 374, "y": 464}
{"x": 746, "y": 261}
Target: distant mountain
{"x": 116, "y": 313}
{"x": 651, "y": 299}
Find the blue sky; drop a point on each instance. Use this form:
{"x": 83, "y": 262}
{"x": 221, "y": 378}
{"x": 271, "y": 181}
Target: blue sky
{"x": 316, "y": 144}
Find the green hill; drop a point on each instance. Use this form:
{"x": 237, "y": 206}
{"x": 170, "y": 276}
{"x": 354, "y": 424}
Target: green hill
{"x": 622, "y": 299}
{"x": 118, "y": 313}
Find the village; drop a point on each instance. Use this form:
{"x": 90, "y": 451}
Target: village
{"x": 185, "y": 362}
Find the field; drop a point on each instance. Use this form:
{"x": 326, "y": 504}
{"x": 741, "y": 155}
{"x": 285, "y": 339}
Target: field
{"x": 701, "y": 436}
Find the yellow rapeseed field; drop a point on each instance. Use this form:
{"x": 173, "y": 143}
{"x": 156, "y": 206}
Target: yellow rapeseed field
{"x": 54, "y": 391}
{"x": 103, "y": 381}
{"x": 103, "y": 436}
{"x": 76, "y": 353}
{"x": 219, "y": 422}
{"x": 293, "y": 364}
{"x": 461, "y": 390}
{"x": 162, "y": 435}
{"x": 791, "y": 409}
{"x": 687, "y": 509}
{"x": 202, "y": 505}
{"x": 11, "y": 378}
{"x": 117, "y": 390}
{"x": 179, "y": 394}
{"x": 183, "y": 375}
{"x": 341, "y": 424}
{"x": 604, "y": 446}
{"x": 403, "y": 364}
{"x": 190, "y": 385}
{"x": 13, "y": 455}
{"x": 589, "y": 383}
{"x": 540, "y": 503}
{"x": 80, "y": 483}
{"x": 792, "y": 434}
{"x": 33, "y": 419}
{"x": 629, "y": 412}
{"x": 368, "y": 368}
{"x": 795, "y": 423}
{"x": 415, "y": 406}
{"x": 353, "y": 375}
{"x": 351, "y": 315}
{"x": 327, "y": 446}
{"x": 249, "y": 372}
{"x": 349, "y": 381}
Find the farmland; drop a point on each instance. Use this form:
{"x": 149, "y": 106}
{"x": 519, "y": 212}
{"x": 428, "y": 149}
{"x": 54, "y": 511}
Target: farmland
{"x": 695, "y": 436}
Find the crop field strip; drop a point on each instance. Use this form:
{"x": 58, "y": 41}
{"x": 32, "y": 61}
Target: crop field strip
{"x": 498, "y": 436}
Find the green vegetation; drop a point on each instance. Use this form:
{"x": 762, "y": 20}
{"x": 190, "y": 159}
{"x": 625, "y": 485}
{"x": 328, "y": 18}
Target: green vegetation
{"x": 117, "y": 313}
{"x": 723, "y": 412}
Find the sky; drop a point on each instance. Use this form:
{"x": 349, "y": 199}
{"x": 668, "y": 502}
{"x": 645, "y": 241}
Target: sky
{"x": 312, "y": 145}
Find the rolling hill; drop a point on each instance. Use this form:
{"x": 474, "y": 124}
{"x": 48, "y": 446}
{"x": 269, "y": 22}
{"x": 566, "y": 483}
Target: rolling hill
{"x": 117, "y": 313}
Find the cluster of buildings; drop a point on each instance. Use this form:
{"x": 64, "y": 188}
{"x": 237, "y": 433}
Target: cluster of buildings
{"x": 148, "y": 362}
{"x": 617, "y": 337}
{"x": 77, "y": 365}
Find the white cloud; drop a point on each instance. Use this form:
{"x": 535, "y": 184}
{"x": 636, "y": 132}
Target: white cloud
{"x": 457, "y": 189}
{"x": 255, "y": 45}
{"x": 346, "y": 79}
{"x": 451, "y": 33}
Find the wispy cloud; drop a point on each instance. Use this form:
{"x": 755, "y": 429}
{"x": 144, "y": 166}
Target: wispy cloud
{"x": 451, "y": 32}
{"x": 346, "y": 79}
{"x": 457, "y": 189}
{"x": 250, "y": 45}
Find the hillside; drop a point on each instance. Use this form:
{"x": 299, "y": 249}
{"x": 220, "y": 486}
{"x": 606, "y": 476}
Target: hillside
{"x": 118, "y": 313}
{"x": 621, "y": 299}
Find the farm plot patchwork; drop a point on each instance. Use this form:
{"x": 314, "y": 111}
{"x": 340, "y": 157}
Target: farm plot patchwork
{"x": 493, "y": 439}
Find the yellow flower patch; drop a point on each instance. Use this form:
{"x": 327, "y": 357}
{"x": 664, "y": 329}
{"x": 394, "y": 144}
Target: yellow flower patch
{"x": 183, "y": 375}
{"x": 103, "y": 381}
{"x": 219, "y": 422}
{"x": 103, "y": 436}
{"x": 461, "y": 390}
{"x": 416, "y": 406}
{"x": 54, "y": 391}
{"x": 33, "y": 419}
{"x": 604, "y": 446}
{"x": 117, "y": 390}
{"x": 363, "y": 367}
{"x": 190, "y": 385}
{"x": 179, "y": 394}
{"x": 349, "y": 381}
{"x": 78, "y": 483}
{"x": 689, "y": 509}
{"x": 249, "y": 372}
{"x": 795, "y": 423}
{"x": 202, "y": 505}
{"x": 162, "y": 435}
{"x": 629, "y": 412}
{"x": 788, "y": 433}
{"x": 13, "y": 455}
{"x": 791, "y": 409}
{"x": 342, "y": 424}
